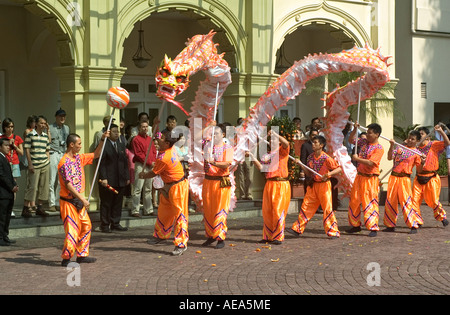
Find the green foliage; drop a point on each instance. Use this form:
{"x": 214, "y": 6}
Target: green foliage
{"x": 402, "y": 133}
{"x": 443, "y": 167}
{"x": 287, "y": 129}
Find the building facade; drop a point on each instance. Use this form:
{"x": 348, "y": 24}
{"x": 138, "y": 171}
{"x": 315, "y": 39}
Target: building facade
{"x": 69, "y": 53}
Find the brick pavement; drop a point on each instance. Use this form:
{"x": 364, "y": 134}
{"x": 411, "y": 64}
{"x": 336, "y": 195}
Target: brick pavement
{"x": 310, "y": 265}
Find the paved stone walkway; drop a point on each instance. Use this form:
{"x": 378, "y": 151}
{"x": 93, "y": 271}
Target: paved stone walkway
{"x": 391, "y": 263}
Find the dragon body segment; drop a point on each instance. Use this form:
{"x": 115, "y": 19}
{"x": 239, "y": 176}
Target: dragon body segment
{"x": 292, "y": 82}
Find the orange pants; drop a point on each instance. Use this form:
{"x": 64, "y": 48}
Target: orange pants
{"x": 399, "y": 192}
{"x": 216, "y": 205}
{"x": 430, "y": 192}
{"x": 318, "y": 194}
{"x": 275, "y": 205}
{"x": 364, "y": 193}
{"x": 173, "y": 212}
{"x": 78, "y": 227}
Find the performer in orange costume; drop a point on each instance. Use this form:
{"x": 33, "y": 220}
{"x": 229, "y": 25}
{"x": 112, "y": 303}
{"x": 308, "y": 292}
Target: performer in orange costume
{"x": 319, "y": 194}
{"x": 77, "y": 224}
{"x": 399, "y": 186}
{"x": 427, "y": 184}
{"x": 365, "y": 187}
{"x": 277, "y": 191}
{"x": 216, "y": 193}
{"x": 173, "y": 203}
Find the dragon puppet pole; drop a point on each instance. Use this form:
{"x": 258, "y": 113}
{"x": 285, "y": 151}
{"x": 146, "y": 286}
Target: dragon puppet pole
{"x": 101, "y": 155}
{"x": 214, "y": 118}
{"x": 359, "y": 109}
{"x": 293, "y": 159}
{"x": 396, "y": 143}
{"x": 155, "y": 131}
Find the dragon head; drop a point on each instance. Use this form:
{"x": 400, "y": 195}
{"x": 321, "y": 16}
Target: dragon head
{"x": 171, "y": 80}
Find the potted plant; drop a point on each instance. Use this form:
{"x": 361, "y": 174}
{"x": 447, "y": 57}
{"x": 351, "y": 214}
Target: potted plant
{"x": 286, "y": 129}
{"x": 443, "y": 170}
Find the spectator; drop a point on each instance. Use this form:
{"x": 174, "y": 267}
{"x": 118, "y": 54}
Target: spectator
{"x": 244, "y": 175}
{"x": 171, "y": 123}
{"x": 298, "y": 133}
{"x": 37, "y": 146}
{"x": 140, "y": 145}
{"x": 31, "y": 125}
{"x": 16, "y": 143}
{"x": 182, "y": 151}
{"x": 58, "y": 133}
{"x": 306, "y": 151}
{"x": 98, "y": 134}
{"x": 8, "y": 187}
{"x": 16, "y": 149}
{"x": 135, "y": 130}
{"x": 113, "y": 172}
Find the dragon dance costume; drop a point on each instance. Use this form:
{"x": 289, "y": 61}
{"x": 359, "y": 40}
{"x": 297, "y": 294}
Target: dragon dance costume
{"x": 399, "y": 190}
{"x": 427, "y": 184}
{"x": 173, "y": 204}
{"x": 77, "y": 224}
{"x": 319, "y": 194}
{"x": 216, "y": 193}
{"x": 366, "y": 188}
{"x": 276, "y": 196}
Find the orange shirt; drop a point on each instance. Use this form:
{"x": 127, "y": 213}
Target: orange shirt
{"x": 168, "y": 166}
{"x": 71, "y": 170}
{"x": 372, "y": 152}
{"x": 432, "y": 150}
{"x": 322, "y": 164}
{"x": 280, "y": 170}
{"x": 222, "y": 153}
{"x": 404, "y": 161}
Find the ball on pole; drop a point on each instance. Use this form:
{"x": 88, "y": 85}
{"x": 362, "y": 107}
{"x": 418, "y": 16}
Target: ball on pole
{"x": 117, "y": 97}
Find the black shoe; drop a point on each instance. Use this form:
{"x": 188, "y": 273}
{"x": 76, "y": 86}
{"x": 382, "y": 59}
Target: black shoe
{"x": 413, "y": 231}
{"x": 41, "y": 212}
{"x": 220, "y": 244}
{"x": 26, "y": 212}
{"x": 4, "y": 243}
{"x": 105, "y": 230}
{"x": 65, "y": 262}
{"x": 276, "y": 242}
{"x": 87, "y": 260}
{"x": 291, "y": 231}
{"x": 373, "y": 233}
{"x": 208, "y": 242}
{"x": 157, "y": 241}
{"x": 389, "y": 229}
{"x": 445, "y": 222}
{"x": 8, "y": 240}
{"x": 354, "y": 229}
{"x": 119, "y": 228}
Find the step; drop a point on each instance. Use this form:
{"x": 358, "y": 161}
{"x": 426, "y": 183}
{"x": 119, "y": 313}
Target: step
{"x": 52, "y": 225}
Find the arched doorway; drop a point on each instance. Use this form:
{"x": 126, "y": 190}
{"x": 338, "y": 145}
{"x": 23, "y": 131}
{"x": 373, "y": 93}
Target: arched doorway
{"x": 178, "y": 26}
{"x": 28, "y": 83}
{"x": 310, "y": 38}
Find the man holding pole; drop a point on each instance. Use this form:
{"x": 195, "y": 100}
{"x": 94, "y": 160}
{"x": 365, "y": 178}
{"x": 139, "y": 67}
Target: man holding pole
{"x": 77, "y": 224}
{"x": 319, "y": 192}
{"x": 427, "y": 184}
{"x": 366, "y": 185}
{"x": 399, "y": 186}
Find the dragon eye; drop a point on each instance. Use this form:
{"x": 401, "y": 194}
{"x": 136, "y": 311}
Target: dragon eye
{"x": 164, "y": 72}
{"x": 181, "y": 79}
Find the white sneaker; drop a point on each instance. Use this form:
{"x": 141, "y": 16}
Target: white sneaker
{"x": 179, "y": 251}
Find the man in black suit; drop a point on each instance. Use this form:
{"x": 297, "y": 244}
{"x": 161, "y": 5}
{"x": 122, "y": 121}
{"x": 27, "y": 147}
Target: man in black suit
{"x": 113, "y": 173}
{"x": 8, "y": 187}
